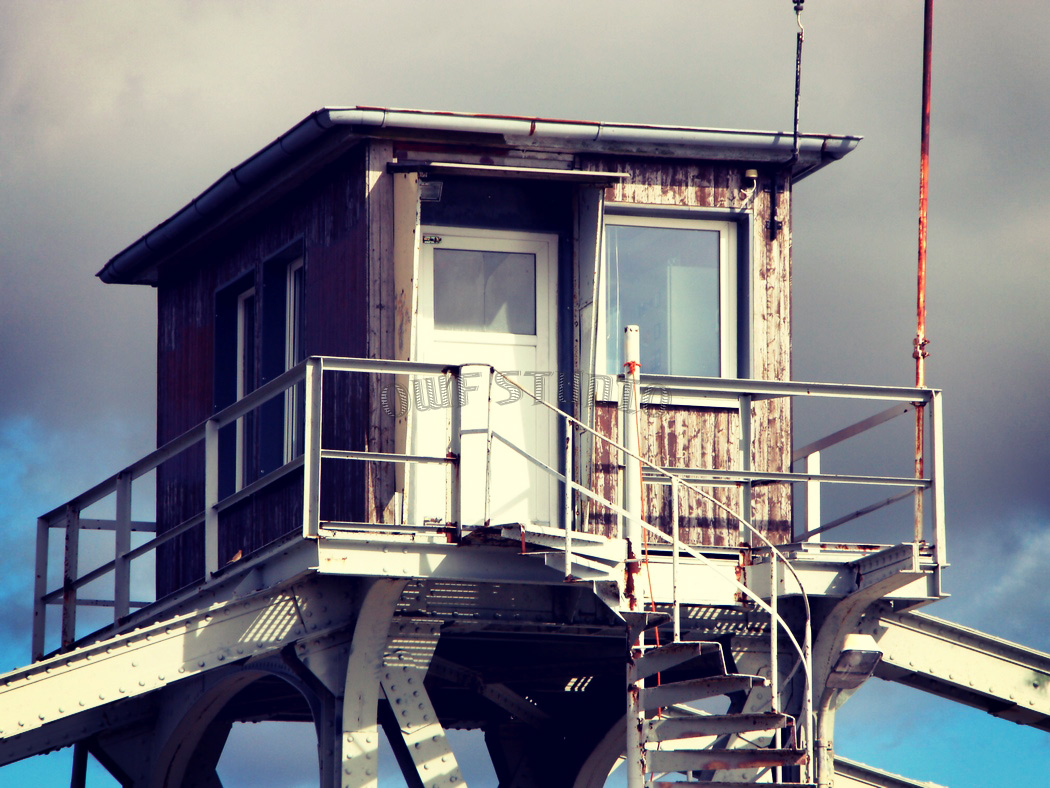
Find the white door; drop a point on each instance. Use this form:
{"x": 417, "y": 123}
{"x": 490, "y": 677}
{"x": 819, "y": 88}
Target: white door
{"x": 487, "y": 297}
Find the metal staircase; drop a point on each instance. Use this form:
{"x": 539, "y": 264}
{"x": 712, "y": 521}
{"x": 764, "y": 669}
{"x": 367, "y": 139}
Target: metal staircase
{"x": 666, "y": 735}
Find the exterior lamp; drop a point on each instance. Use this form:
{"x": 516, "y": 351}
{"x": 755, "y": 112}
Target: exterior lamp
{"x": 857, "y": 661}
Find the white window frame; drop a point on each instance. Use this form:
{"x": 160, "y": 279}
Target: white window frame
{"x": 729, "y": 292}
{"x": 293, "y": 428}
{"x": 245, "y": 344}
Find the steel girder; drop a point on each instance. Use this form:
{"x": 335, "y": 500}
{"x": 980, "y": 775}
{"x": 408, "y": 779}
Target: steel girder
{"x": 1005, "y": 679}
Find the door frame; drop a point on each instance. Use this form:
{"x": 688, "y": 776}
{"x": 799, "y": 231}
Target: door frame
{"x": 545, "y": 246}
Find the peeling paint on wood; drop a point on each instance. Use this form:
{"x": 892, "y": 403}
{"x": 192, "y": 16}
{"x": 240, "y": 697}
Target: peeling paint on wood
{"x": 708, "y": 438}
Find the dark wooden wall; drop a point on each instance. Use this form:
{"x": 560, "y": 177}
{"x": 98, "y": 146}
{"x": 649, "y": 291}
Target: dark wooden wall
{"x": 324, "y": 218}
{"x": 340, "y": 219}
{"x": 707, "y": 437}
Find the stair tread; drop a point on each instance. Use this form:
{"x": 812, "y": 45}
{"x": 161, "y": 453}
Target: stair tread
{"x": 697, "y": 689}
{"x": 672, "y": 728}
{"x": 693, "y": 760}
{"x": 732, "y": 784}
{"x": 640, "y": 621}
{"x": 666, "y": 657}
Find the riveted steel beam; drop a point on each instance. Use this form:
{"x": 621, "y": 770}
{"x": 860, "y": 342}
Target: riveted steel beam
{"x": 133, "y": 664}
{"x": 1005, "y": 679}
{"x": 405, "y": 663}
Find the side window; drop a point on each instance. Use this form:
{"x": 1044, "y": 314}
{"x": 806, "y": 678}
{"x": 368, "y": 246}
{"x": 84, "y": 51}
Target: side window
{"x": 259, "y": 335}
{"x": 675, "y": 278}
{"x": 246, "y": 383}
{"x": 284, "y": 320}
{"x": 237, "y": 374}
{"x": 293, "y": 354}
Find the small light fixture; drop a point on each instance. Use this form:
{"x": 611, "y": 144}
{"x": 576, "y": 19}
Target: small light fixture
{"x": 751, "y": 175}
{"x": 430, "y": 191}
{"x": 857, "y": 661}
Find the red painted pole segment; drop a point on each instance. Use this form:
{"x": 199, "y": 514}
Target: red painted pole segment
{"x": 919, "y": 353}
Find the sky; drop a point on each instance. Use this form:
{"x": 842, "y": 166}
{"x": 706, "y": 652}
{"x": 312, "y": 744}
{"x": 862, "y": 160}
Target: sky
{"x": 114, "y": 115}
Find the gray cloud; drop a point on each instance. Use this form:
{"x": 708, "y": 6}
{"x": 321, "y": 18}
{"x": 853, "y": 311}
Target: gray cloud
{"x": 113, "y": 117}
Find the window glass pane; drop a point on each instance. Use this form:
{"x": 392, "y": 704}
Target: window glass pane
{"x": 485, "y": 291}
{"x": 296, "y": 315}
{"x": 666, "y": 281}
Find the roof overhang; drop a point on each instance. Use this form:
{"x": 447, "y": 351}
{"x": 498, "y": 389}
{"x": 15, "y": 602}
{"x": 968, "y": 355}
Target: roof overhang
{"x": 328, "y": 132}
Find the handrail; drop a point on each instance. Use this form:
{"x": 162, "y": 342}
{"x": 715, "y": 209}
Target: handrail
{"x": 309, "y": 373}
{"x": 804, "y": 656}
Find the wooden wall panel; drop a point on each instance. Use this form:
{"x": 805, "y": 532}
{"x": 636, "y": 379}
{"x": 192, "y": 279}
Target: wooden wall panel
{"x": 324, "y": 216}
{"x": 679, "y": 435}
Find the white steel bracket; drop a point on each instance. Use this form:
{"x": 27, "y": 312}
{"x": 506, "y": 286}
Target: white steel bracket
{"x": 405, "y": 664}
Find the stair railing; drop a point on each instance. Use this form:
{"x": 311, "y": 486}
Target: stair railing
{"x": 803, "y": 650}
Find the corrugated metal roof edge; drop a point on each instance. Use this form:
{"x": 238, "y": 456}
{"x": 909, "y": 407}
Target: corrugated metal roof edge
{"x": 815, "y": 151}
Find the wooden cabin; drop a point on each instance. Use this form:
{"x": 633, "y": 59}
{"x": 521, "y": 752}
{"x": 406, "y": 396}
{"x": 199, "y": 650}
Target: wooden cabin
{"x": 522, "y": 243}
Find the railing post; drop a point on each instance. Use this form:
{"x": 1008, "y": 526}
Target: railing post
{"x": 122, "y": 544}
{"x": 211, "y": 498}
{"x": 632, "y": 469}
{"x": 313, "y": 374}
{"x": 43, "y": 538}
{"x": 69, "y": 577}
{"x": 937, "y": 478}
{"x": 813, "y": 497}
{"x": 567, "y": 520}
{"x": 635, "y": 750}
{"x": 632, "y": 504}
{"x": 774, "y": 657}
{"x": 486, "y": 512}
{"x": 774, "y": 624}
{"x": 745, "y": 464}
{"x": 455, "y": 450}
{"x": 807, "y": 698}
{"x": 676, "y": 605}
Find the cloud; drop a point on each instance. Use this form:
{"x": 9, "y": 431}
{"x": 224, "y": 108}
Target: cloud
{"x": 114, "y": 116}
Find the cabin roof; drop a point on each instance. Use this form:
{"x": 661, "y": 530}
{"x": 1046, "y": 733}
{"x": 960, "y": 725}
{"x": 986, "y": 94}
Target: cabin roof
{"x": 328, "y": 132}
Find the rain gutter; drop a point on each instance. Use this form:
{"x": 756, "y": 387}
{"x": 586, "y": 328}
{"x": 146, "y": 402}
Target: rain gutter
{"x": 134, "y": 263}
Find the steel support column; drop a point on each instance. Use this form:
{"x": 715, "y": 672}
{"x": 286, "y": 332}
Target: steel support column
{"x": 359, "y": 751}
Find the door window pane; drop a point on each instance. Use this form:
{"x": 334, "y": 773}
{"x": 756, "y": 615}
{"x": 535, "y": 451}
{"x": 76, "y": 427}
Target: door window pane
{"x": 485, "y": 291}
{"x": 667, "y": 281}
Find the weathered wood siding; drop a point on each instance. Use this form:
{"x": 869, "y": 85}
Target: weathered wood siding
{"x": 325, "y": 217}
{"x": 706, "y": 437}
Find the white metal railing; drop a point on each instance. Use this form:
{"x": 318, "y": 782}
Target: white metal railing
{"x": 70, "y": 593}
{"x": 630, "y": 514}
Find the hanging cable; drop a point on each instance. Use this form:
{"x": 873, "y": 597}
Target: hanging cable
{"x": 798, "y": 71}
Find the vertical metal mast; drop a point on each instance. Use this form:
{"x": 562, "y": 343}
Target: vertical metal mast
{"x": 919, "y": 353}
